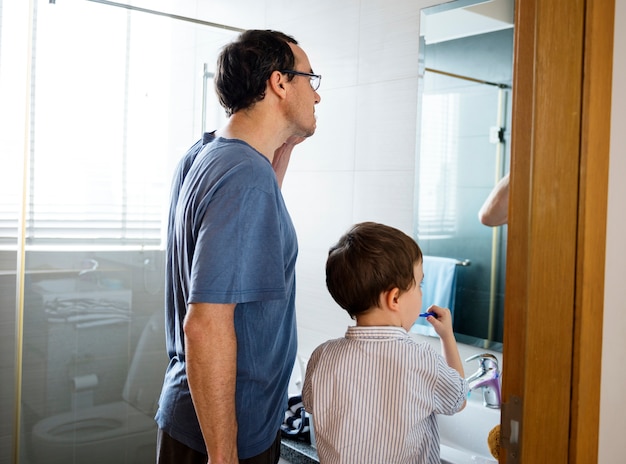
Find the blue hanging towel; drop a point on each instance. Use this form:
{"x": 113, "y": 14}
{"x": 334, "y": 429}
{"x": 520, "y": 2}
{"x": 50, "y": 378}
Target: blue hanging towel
{"x": 439, "y": 288}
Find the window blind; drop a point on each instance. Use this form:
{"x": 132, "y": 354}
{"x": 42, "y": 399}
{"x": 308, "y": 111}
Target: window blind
{"x": 115, "y": 101}
{"x": 437, "y": 207}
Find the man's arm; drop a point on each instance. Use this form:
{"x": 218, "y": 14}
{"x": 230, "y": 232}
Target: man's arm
{"x": 282, "y": 155}
{"x": 495, "y": 210}
{"x": 211, "y": 359}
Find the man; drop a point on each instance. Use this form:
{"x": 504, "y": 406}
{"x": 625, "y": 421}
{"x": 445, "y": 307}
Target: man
{"x": 230, "y": 305}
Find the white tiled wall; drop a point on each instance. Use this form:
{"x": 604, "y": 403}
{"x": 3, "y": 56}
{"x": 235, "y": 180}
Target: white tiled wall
{"x": 360, "y": 163}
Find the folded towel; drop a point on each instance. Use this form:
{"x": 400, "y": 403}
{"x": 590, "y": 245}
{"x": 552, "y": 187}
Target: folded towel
{"x": 297, "y": 420}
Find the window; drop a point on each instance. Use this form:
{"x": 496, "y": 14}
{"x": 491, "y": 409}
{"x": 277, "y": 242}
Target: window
{"x": 116, "y": 99}
{"x": 437, "y": 207}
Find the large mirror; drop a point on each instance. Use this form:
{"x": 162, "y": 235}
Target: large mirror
{"x": 463, "y": 150}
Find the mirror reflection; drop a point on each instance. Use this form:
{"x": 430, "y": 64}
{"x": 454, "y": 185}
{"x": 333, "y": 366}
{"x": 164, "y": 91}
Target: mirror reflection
{"x": 463, "y": 151}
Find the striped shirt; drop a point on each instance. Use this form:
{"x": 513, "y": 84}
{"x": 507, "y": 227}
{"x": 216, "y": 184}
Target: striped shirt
{"x": 374, "y": 395}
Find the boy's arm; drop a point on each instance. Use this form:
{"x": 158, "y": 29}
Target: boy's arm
{"x": 450, "y": 353}
{"x": 449, "y": 349}
{"x": 307, "y": 387}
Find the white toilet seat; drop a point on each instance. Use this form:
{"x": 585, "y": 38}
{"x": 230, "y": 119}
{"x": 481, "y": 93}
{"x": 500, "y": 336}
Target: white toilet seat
{"x": 93, "y": 424}
{"x": 110, "y": 433}
{"x": 123, "y": 432}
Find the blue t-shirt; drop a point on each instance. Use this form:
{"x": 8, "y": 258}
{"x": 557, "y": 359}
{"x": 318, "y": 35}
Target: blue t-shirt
{"x": 231, "y": 240}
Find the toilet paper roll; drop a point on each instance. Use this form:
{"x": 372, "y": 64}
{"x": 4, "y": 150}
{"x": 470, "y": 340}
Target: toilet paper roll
{"x": 85, "y": 382}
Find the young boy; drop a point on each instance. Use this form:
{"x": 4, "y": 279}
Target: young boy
{"x": 374, "y": 394}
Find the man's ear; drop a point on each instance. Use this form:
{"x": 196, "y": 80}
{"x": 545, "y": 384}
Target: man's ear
{"x": 277, "y": 82}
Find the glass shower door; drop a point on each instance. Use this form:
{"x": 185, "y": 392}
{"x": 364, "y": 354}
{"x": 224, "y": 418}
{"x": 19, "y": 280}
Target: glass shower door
{"x": 115, "y": 99}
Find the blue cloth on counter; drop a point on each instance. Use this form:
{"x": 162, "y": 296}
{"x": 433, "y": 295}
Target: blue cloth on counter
{"x": 438, "y": 288}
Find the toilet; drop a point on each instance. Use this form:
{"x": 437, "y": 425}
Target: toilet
{"x": 119, "y": 432}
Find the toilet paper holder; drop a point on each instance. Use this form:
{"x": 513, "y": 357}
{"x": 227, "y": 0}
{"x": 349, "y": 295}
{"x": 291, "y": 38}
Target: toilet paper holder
{"x": 82, "y": 391}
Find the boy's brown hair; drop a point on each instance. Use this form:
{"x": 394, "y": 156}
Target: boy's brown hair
{"x": 368, "y": 260}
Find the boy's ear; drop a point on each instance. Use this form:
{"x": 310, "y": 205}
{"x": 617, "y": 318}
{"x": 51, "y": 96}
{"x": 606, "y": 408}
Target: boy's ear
{"x": 391, "y": 299}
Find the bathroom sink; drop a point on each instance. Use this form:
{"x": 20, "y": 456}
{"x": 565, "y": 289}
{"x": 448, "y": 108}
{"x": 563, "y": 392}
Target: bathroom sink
{"x": 464, "y": 435}
{"x": 455, "y": 456}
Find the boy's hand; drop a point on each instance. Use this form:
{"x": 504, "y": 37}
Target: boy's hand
{"x": 442, "y": 323}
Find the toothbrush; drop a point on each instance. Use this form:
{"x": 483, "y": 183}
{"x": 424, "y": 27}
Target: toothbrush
{"x": 427, "y": 314}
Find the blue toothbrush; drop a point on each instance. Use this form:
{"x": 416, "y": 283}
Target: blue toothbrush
{"x": 427, "y": 314}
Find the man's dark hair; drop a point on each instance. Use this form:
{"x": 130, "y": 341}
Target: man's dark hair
{"x": 368, "y": 260}
{"x": 245, "y": 65}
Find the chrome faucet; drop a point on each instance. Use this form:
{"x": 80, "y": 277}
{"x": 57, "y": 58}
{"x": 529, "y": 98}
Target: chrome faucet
{"x": 487, "y": 378}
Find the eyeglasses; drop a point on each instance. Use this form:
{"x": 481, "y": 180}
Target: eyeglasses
{"x": 315, "y": 79}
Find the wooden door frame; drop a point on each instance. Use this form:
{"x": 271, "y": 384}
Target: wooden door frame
{"x": 557, "y": 230}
